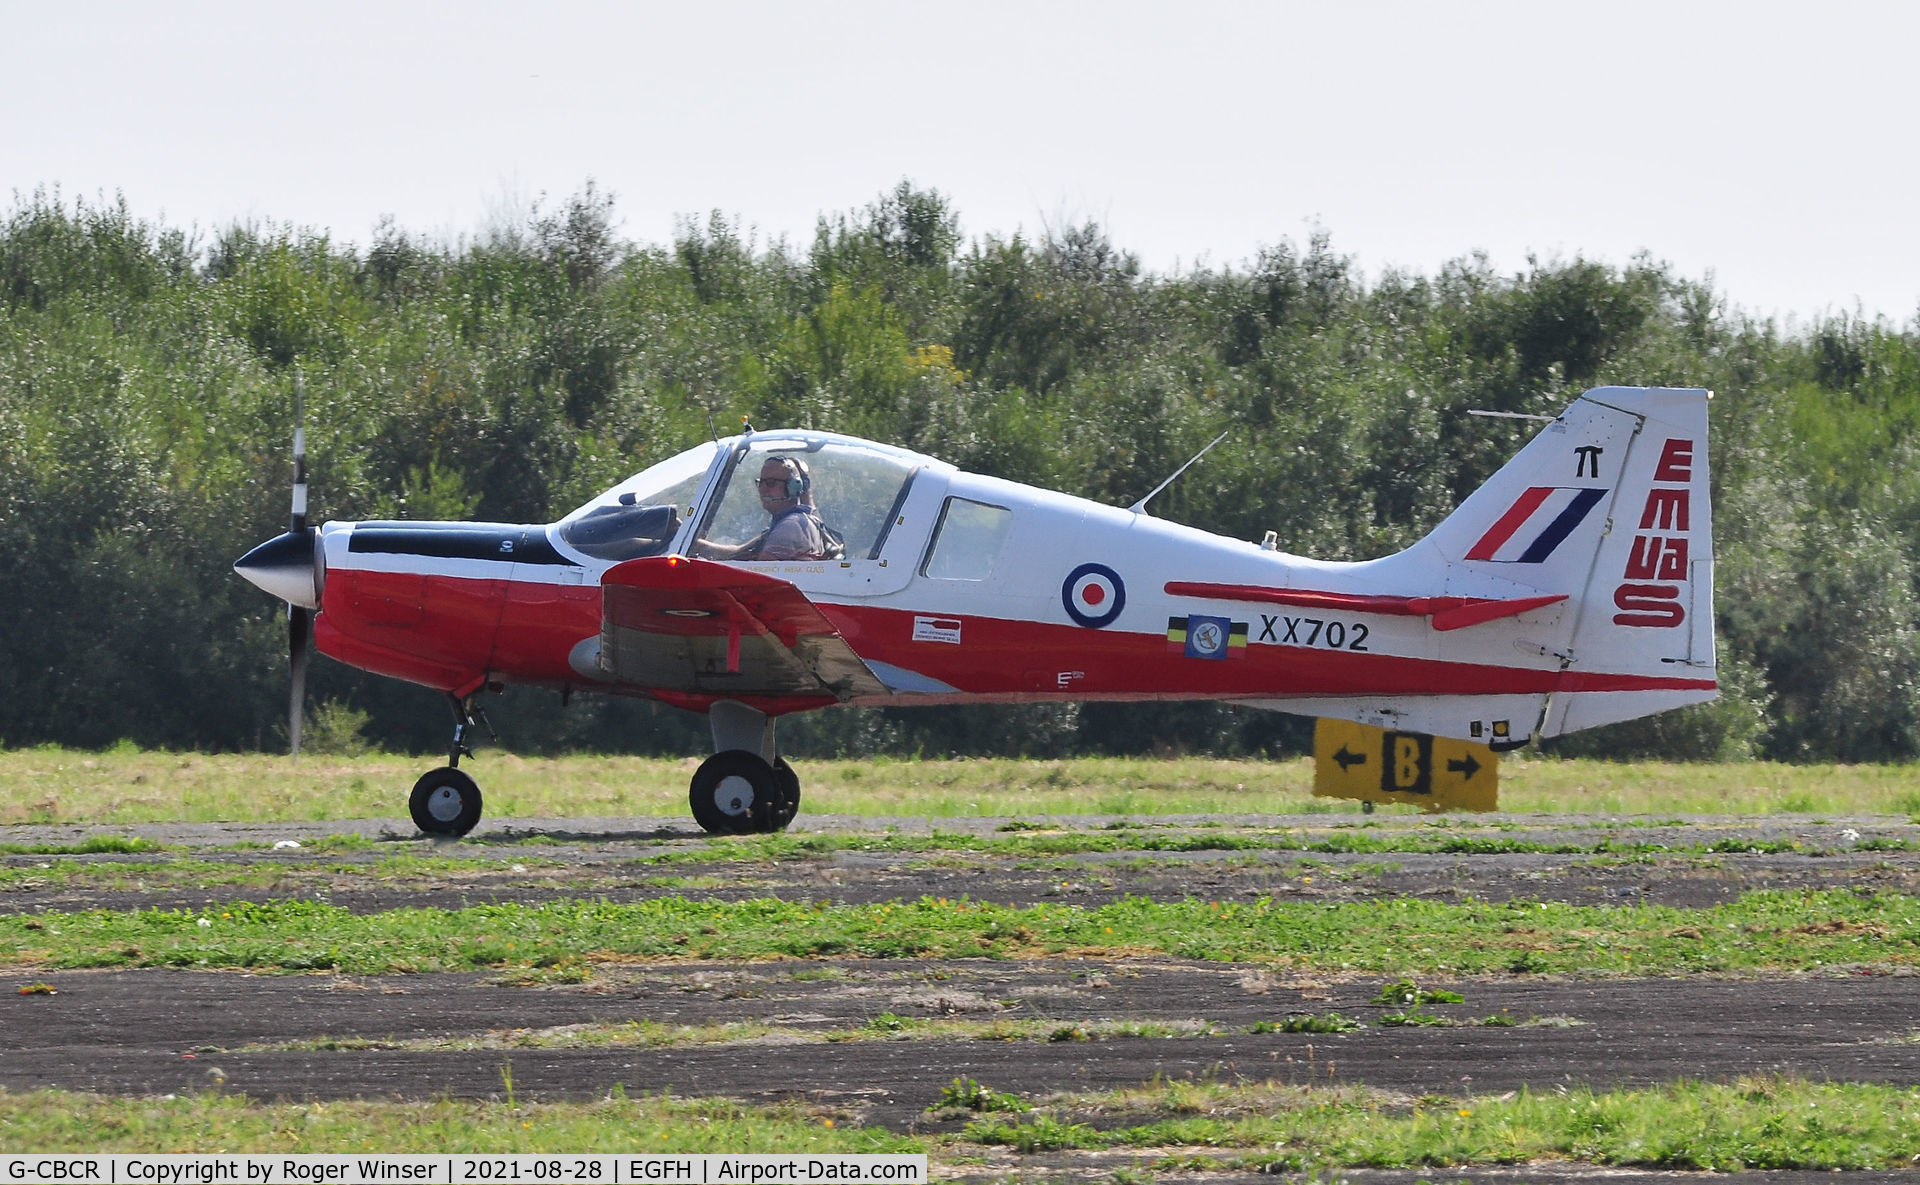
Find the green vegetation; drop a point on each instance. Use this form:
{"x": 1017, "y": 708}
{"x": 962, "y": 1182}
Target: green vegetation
{"x": 126, "y": 785}
{"x": 1331, "y": 1022}
{"x": 968, "y": 1095}
{"x": 146, "y": 382}
{"x": 1774, "y": 931}
{"x": 88, "y": 847}
{"x": 1764, "y": 1123}
{"x": 58, "y": 1121}
{"x": 1750, "y": 1124}
{"x": 185, "y": 872}
{"x": 1408, "y": 994}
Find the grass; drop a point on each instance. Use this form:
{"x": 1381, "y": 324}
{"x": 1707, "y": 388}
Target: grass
{"x": 52, "y": 785}
{"x": 1754, "y": 1123}
{"x": 1166, "y": 1128}
{"x": 282, "y": 875}
{"x": 1750, "y": 1123}
{"x": 1412, "y": 836}
{"x": 1760, "y": 931}
{"x": 508, "y": 861}
{"x": 59, "y": 1121}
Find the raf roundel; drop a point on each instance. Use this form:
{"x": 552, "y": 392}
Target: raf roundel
{"x": 1093, "y": 595}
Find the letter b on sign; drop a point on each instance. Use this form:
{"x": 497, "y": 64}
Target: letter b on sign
{"x": 1406, "y": 763}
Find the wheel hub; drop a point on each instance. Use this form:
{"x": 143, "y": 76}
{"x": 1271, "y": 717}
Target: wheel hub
{"x": 444, "y": 804}
{"x": 734, "y": 795}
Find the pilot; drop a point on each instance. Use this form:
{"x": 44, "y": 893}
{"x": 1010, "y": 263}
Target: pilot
{"x": 796, "y": 533}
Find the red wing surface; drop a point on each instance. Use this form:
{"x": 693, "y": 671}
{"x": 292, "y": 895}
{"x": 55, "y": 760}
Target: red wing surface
{"x": 681, "y": 624}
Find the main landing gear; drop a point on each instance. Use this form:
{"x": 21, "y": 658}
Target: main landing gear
{"x": 446, "y": 801}
{"x": 743, "y": 788}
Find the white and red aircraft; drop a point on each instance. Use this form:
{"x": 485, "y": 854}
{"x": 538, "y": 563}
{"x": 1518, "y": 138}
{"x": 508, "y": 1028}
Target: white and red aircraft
{"x": 1574, "y": 589}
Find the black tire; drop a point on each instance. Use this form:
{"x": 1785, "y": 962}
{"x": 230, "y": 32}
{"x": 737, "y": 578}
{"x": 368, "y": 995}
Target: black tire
{"x": 734, "y": 793}
{"x": 788, "y": 804}
{"x": 445, "y": 802}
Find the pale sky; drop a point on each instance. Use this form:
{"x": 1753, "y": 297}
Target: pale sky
{"x": 1771, "y": 145}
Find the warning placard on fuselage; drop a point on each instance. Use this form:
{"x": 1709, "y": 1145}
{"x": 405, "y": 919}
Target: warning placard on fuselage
{"x": 1370, "y": 764}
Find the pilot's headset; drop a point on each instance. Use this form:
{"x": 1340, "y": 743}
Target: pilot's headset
{"x": 799, "y": 481}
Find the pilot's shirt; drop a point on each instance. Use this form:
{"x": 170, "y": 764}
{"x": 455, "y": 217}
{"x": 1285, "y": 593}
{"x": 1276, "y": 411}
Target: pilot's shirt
{"x": 795, "y": 535}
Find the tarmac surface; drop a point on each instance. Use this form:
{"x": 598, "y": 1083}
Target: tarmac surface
{"x": 424, "y": 1036}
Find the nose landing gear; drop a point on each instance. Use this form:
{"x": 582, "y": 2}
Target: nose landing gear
{"x": 446, "y": 801}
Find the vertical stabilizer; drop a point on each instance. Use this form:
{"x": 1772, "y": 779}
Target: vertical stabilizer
{"x": 1605, "y": 513}
{"x": 1646, "y": 611}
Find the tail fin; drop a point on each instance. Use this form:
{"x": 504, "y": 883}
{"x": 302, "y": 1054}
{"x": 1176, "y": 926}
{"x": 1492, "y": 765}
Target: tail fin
{"x": 1609, "y": 507}
{"x": 1647, "y": 608}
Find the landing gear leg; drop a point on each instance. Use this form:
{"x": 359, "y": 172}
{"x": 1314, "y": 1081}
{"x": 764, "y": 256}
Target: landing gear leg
{"x": 446, "y": 801}
{"x": 466, "y": 714}
{"x": 744, "y": 787}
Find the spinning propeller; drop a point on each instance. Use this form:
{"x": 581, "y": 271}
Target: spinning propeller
{"x": 288, "y": 567}
{"x": 299, "y": 617}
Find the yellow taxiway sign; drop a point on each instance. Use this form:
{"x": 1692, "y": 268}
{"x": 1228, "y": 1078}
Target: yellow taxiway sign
{"x": 1371, "y": 764}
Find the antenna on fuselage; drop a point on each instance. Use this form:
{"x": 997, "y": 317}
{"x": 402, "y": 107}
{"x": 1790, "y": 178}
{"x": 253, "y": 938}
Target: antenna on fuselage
{"x": 1141, "y": 506}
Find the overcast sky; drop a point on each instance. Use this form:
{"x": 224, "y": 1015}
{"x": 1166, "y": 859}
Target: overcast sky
{"x": 1771, "y": 145}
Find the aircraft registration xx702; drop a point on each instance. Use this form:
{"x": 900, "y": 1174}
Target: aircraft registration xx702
{"x": 779, "y": 572}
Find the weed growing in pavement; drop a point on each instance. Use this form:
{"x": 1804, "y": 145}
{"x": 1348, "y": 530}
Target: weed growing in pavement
{"x": 1413, "y": 1020}
{"x": 967, "y": 1095}
{"x": 1407, "y": 994}
{"x": 1330, "y": 1022}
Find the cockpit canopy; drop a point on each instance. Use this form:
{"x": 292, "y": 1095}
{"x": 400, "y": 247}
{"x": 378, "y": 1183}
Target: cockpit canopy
{"x": 855, "y": 487}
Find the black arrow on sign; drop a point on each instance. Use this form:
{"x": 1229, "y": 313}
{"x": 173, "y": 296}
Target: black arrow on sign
{"x": 1349, "y": 760}
{"x": 1467, "y": 766}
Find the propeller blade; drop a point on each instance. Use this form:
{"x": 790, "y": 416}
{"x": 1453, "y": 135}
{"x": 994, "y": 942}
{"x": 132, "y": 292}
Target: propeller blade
{"x": 298, "y": 524}
{"x": 299, "y": 634}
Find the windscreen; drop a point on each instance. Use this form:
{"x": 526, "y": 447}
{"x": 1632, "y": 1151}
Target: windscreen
{"x": 639, "y": 516}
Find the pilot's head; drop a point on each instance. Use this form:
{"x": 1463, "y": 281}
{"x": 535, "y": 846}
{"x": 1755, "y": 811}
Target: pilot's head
{"x": 783, "y": 483}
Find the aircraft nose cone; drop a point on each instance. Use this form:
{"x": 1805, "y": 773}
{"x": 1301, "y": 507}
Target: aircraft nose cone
{"x": 285, "y": 567}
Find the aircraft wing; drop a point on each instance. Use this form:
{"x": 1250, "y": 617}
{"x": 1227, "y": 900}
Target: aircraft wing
{"x": 680, "y": 624}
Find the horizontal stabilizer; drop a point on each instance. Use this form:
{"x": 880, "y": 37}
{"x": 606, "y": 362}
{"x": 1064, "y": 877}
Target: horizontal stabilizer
{"x": 1448, "y": 613}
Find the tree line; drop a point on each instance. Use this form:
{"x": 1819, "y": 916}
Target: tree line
{"x": 146, "y": 410}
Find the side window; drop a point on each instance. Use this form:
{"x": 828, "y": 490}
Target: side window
{"x": 967, "y": 541}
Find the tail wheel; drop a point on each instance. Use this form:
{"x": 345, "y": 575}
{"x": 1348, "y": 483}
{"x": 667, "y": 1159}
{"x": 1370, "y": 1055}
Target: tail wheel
{"x": 735, "y": 793}
{"x": 445, "y": 802}
{"x": 789, "y": 803}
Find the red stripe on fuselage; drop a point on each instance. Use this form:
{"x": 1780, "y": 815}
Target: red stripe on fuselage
{"x": 519, "y": 632}
{"x": 1025, "y": 660}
